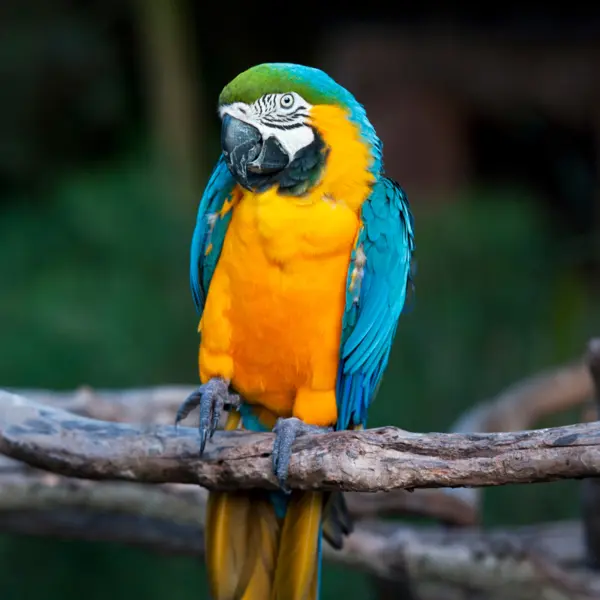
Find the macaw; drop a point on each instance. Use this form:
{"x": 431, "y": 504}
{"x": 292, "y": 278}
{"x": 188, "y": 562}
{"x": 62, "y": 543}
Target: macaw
{"x": 300, "y": 261}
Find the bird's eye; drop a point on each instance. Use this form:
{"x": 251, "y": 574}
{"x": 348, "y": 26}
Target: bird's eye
{"x": 286, "y": 101}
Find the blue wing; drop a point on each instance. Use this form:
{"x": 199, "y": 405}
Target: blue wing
{"x": 377, "y": 283}
{"x": 209, "y": 234}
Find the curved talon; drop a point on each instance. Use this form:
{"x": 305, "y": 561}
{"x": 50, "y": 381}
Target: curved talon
{"x": 212, "y": 397}
{"x": 286, "y": 431}
{"x": 188, "y": 405}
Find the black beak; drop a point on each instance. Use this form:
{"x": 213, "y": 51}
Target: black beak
{"x": 251, "y": 160}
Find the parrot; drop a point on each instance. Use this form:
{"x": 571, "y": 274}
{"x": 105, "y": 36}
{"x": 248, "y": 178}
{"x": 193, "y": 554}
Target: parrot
{"x": 300, "y": 265}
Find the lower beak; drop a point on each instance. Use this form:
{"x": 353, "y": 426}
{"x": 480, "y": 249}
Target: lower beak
{"x": 249, "y": 157}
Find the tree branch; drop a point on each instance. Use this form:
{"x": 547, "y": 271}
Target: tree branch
{"x": 533, "y": 562}
{"x": 518, "y": 407}
{"x": 169, "y": 518}
{"x": 371, "y": 460}
{"x": 142, "y": 405}
{"x": 431, "y": 503}
{"x": 159, "y": 405}
{"x": 525, "y": 403}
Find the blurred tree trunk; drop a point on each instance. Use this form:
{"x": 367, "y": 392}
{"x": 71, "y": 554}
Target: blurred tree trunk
{"x": 172, "y": 85}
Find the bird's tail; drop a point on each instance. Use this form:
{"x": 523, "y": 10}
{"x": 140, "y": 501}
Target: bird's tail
{"x": 267, "y": 545}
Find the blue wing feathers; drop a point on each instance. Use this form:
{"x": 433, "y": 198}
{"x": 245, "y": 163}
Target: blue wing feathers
{"x": 369, "y": 325}
{"x": 209, "y": 232}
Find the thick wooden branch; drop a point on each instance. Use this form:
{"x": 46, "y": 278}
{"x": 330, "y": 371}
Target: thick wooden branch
{"x": 527, "y": 562}
{"x": 518, "y": 407}
{"x": 378, "y": 459}
{"x": 158, "y": 405}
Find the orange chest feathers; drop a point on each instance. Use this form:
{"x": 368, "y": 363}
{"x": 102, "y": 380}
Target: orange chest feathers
{"x": 275, "y": 305}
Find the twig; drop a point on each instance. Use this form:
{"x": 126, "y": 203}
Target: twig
{"x": 465, "y": 564}
{"x": 431, "y": 503}
{"x": 371, "y": 460}
{"x": 525, "y": 403}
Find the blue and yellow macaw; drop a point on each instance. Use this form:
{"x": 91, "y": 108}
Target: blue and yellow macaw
{"x": 300, "y": 261}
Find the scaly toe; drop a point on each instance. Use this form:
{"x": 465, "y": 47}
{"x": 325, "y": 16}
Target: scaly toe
{"x": 286, "y": 432}
{"x": 188, "y": 405}
{"x": 212, "y": 397}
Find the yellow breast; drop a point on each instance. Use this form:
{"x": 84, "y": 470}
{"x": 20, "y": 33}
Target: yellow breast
{"x": 277, "y": 296}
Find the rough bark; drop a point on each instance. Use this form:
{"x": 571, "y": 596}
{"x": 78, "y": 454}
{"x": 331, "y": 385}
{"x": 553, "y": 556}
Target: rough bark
{"x": 372, "y": 460}
{"x": 518, "y": 407}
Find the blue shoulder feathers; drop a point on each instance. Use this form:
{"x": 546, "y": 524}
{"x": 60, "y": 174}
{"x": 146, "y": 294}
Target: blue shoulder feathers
{"x": 376, "y": 291}
{"x": 210, "y": 230}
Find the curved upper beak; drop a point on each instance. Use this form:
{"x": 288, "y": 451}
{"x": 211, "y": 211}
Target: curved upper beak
{"x": 249, "y": 157}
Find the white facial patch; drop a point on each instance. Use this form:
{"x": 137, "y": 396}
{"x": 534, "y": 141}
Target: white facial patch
{"x": 283, "y": 116}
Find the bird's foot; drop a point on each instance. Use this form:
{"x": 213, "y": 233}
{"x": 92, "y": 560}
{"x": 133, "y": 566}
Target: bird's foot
{"x": 212, "y": 397}
{"x": 286, "y": 431}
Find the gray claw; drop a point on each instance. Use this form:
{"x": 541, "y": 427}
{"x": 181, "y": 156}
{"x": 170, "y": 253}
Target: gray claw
{"x": 212, "y": 398}
{"x": 286, "y": 431}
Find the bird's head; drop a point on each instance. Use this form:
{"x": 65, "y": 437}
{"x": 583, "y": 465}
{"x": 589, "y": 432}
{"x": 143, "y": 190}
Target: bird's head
{"x": 270, "y": 133}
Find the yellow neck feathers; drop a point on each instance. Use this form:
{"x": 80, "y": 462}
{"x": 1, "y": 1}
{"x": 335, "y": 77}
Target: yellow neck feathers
{"x": 346, "y": 177}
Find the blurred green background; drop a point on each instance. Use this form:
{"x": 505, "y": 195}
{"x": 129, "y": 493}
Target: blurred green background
{"x": 107, "y": 134}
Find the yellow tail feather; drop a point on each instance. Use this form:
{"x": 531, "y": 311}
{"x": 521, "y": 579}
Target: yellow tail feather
{"x": 227, "y": 519}
{"x": 263, "y": 543}
{"x": 251, "y": 554}
{"x": 313, "y": 593}
{"x": 298, "y": 547}
{"x": 225, "y": 536}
